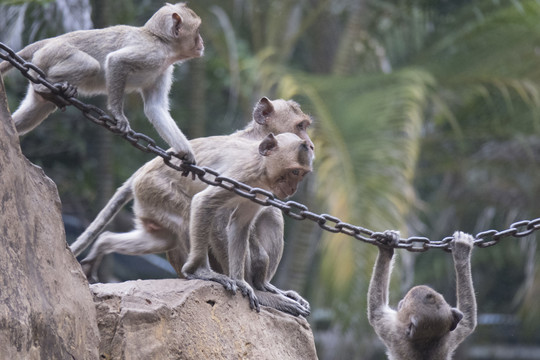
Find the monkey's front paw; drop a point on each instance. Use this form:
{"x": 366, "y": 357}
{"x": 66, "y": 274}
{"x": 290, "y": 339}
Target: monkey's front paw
{"x": 462, "y": 241}
{"x": 187, "y": 157}
{"x": 246, "y": 290}
{"x": 122, "y": 124}
{"x": 388, "y": 237}
{"x": 203, "y": 273}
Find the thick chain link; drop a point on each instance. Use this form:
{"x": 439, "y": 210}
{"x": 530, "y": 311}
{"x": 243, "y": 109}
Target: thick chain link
{"x": 263, "y": 197}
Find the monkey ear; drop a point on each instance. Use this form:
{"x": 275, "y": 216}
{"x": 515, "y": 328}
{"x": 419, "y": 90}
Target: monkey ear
{"x": 411, "y": 329}
{"x": 177, "y": 23}
{"x": 268, "y": 144}
{"x": 262, "y": 110}
{"x": 456, "y": 318}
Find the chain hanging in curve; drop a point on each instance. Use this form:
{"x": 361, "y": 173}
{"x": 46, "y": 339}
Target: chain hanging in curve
{"x": 292, "y": 209}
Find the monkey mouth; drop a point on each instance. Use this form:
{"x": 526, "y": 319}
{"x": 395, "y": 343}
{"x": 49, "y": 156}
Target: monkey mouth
{"x": 284, "y": 191}
{"x": 200, "y": 50}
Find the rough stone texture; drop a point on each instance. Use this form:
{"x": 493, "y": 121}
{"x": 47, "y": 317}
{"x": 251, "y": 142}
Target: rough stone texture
{"x": 181, "y": 319}
{"x": 46, "y": 309}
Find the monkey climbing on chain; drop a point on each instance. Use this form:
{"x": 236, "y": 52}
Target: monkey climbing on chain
{"x": 424, "y": 325}
{"x": 113, "y": 61}
{"x": 162, "y": 200}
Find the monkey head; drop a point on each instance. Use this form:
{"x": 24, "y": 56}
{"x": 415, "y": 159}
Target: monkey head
{"x": 288, "y": 159}
{"x": 179, "y": 26}
{"x": 426, "y": 315}
{"x": 282, "y": 116}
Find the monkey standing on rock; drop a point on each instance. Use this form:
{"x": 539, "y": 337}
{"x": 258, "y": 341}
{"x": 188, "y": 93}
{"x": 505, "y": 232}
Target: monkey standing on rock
{"x": 162, "y": 203}
{"x": 112, "y": 61}
{"x": 424, "y": 325}
{"x": 278, "y": 164}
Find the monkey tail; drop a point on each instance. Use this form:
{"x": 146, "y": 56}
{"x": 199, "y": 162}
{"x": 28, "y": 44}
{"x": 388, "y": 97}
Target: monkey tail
{"x": 121, "y": 197}
{"x": 27, "y": 53}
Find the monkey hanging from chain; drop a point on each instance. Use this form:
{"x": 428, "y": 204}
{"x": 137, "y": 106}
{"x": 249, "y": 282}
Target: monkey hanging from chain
{"x": 424, "y": 326}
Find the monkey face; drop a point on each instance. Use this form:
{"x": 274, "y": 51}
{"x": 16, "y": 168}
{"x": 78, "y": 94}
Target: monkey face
{"x": 199, "y": 43}
{"x": 287, "y": 184}
{"x": 289, "y": 159}
{"x": 426, "y": 314}
{"x": 281, "y": 116}
{"x": 186, "y": 31}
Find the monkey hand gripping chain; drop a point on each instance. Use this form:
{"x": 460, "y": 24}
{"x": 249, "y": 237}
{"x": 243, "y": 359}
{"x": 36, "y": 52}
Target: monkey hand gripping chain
{"x": 292, "y": 209}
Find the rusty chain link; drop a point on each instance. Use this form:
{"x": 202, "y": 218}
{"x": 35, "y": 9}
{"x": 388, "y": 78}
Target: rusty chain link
{"x": 263, "y": 197}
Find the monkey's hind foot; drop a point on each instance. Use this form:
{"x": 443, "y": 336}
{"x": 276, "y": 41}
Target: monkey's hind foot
{"x": 89, "y": 270}
{"x": 65, "y": 88}
{"x": 266, "y": 286}
{"x": 284, "y": 304}
{"x": 300, "y": 300}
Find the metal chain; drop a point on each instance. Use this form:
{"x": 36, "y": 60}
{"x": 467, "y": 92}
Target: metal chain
{"x": 263, "y": 197}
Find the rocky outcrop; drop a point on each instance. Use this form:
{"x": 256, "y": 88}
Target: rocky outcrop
{"x": 193, "y": 319}
{"x": 46, "y": 310}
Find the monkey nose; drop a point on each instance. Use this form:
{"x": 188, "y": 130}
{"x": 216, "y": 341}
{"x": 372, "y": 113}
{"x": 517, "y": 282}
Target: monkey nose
{"x": 311, "y": 145}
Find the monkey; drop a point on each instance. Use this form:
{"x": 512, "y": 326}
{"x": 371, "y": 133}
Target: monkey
{"x": 279, "y": 165}
{"x": 424, "y": 326}
{"x": 162, "y": 205}
{"x": 113, "y": 61}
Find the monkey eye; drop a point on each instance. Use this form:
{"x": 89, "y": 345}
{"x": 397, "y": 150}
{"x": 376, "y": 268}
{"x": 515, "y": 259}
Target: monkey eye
{"x": 301, "y": 126}
{"x": 296, "y": 172}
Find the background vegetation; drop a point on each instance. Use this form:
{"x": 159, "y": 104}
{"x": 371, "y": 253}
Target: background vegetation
{"x": 426, "y": 120}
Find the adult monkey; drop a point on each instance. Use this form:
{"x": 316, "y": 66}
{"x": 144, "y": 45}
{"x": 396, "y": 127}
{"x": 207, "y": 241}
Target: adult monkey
{"x": 424, "y": 325}
{"x": 162, "y": 206}
{"x": 112, "y": 61}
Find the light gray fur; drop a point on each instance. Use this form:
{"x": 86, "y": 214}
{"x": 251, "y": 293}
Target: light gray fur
{"x": 121, "y": 197}
{"x": 113, "y": 61}
{"x": 163, "y": 197}
{"x": 276, "y": 157}
{"x": 424, "y": 326}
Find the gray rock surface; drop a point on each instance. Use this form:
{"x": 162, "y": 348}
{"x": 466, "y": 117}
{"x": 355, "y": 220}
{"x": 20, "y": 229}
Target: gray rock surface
{"x": 193, "y": 319}
{"x": 46, "y": 309}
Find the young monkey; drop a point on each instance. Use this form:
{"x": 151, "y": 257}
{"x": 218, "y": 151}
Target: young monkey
{"x": 277, "y": 164}
{"x": 424, "y": 325}
{"x": 113, "y": 61}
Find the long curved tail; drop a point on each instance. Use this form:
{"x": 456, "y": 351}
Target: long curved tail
{"x": 26, "y": 53}
{"x": 120, "y": 198}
